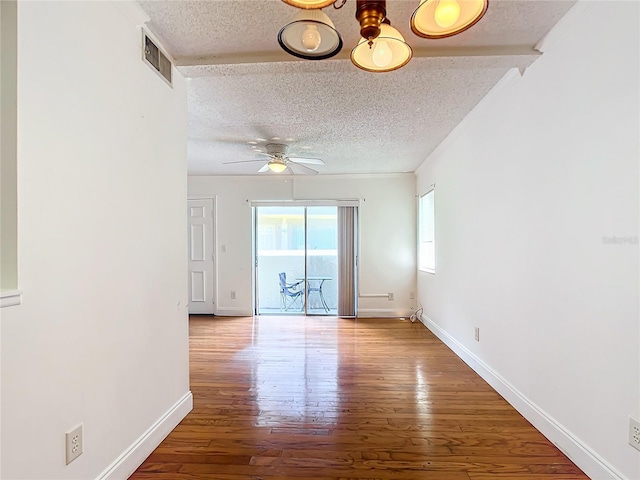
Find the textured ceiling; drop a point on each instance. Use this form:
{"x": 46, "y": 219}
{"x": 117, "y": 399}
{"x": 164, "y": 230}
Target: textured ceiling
{"x": 243, "y": 88}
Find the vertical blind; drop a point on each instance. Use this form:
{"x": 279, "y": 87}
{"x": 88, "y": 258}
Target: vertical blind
{"x": 347, "y": 298}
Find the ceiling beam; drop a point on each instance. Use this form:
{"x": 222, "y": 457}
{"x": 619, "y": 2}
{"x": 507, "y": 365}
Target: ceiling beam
{"x": 280, "y": 56}
{"x": 432, "y": 59}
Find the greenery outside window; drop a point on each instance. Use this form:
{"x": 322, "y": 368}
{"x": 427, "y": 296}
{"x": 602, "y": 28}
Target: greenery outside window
{"x": 9, "y": 294}
{"x": 426, "y": 228}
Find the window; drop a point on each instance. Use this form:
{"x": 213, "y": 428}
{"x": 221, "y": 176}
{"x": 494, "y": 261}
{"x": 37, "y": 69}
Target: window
{"x": 427, "y": 240}
{"x": 9, "y": 293}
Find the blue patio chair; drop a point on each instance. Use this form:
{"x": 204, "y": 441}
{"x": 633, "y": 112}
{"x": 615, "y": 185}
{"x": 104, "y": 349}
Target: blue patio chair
{"x": 290, "y": 293}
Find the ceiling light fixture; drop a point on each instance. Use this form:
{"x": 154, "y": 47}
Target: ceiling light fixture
{"x": 277, "y": 165}
{"x": 310, "y": 34}
{"x": 382, "y": 48}
{"x": 309, "y": 4}
{"x": 385, "y": 53}
{"x": 444, "y": 18}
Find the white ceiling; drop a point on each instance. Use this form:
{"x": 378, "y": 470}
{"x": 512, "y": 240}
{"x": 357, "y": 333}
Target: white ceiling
{"x": 242, "y": 87}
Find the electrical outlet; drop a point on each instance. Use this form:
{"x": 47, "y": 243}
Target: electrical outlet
{"x": 634, "y": 433}
{"x": 233, "y": 294}
{"x": 390, "y": 295}
{"x": 74, "y": 443}
{"x": 477, "y": 334}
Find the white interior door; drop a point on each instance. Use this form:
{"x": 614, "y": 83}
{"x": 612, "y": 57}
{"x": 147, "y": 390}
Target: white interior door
{"x": 201, "y": 257}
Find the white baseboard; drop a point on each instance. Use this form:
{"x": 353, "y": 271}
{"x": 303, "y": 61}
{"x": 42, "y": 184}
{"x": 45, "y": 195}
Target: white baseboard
{"x": 233, "y": 312}
{"x": 579, "y": 453}
{"x": 362, "y": 312}
{"x": 383, "y": 313}
{"x": 132, "y": 458}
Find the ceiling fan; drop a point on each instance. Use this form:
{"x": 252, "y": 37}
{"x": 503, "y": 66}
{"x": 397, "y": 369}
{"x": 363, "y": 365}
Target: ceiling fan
{"x": 279, "y": 160}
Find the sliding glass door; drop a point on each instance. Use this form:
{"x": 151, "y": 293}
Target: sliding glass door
{"x": 322, "y": 260}
{"x": 280, "y": 260}
{"x": 296, "y": 260}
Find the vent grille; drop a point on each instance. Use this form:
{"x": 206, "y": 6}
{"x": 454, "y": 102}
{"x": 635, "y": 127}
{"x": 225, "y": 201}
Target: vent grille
{"x": 156, "y": 59}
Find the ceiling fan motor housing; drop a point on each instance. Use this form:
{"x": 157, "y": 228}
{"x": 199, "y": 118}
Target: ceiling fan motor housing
{"x": 277, "y": 149}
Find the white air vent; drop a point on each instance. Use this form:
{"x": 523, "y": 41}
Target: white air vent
{"x": 155, "y": 58}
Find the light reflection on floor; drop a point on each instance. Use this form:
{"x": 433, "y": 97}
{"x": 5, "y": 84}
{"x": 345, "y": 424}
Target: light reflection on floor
{"x": 421, "y": 392}
{"x": 295, "y": 375}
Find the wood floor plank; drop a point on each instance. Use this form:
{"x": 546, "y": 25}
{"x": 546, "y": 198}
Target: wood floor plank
{"x": 323, "y": 398}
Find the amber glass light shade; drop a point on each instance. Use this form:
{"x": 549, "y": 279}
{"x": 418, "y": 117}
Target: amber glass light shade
{"x": 309, "y": 4}
{"x": 444, "y": 18}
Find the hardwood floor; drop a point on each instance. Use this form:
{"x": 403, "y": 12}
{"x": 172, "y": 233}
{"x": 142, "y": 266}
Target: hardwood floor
{"x": 328, "y": 398}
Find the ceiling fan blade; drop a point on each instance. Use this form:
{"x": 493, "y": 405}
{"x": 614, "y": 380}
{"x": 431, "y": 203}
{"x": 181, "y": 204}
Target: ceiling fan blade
{"x": 305, "y": 169}
{"x": 310, "y": 161}
{"x": 244, "y": 161}
{"x": 261, "y": 131}
{"x": 264, "y": 168}
{"x": 230, "y": 141}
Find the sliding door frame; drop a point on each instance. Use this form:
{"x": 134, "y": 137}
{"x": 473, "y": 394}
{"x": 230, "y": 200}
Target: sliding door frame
{"x": 303, "y": 203}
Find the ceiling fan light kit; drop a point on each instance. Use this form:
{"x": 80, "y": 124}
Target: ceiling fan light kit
{"x": 382, "y": 48}
{"x": 277, "y": 166}
{"x": 279, "y": 160}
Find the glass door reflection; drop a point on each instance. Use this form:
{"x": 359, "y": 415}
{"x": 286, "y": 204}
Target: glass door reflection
{"x": 322, "y": 260}
{"x": 280, "y": 260}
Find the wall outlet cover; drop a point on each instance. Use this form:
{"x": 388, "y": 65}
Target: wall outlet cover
{"x": 73, "y": 441}
{"x": 634, "y": 432}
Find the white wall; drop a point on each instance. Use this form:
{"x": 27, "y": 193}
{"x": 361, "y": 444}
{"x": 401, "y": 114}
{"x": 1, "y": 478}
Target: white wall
{"x": 526, "y": 190}
{"x": 387, "y": 233}
{"x": 101, "y": 336}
